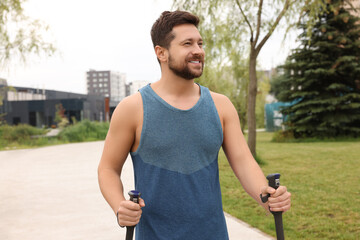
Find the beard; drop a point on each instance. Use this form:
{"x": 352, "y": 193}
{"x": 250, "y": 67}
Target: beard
{"x": 183, "y": 70}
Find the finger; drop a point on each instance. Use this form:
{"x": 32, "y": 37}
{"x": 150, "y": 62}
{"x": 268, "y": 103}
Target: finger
{"x": 282, "y": 208}
{"x": 280, "y": 198}
{"x": 131, "y": 205}
{"x": 123, "y": 222}
{"x": 280, "y": 191}
{"x": 123, "y": 211}
{"x": 128, "y": 218}
{"x": 280, "y": 204}
{"x": 142, "y": 203}
{"x": 267, "y": 190}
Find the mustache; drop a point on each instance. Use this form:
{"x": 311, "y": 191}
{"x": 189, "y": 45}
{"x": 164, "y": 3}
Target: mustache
{"x": 196, "y": 58}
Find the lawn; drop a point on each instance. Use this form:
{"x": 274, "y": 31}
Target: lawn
{"x": 323, "y": 178}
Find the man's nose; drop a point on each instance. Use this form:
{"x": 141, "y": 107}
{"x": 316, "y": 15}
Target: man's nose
{"x": 198, "y": 50}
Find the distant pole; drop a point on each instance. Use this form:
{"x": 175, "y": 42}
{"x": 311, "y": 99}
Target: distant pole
{"x": 107, "y": 109}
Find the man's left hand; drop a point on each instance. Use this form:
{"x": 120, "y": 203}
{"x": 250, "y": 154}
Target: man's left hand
{"x": 279, "y": 200}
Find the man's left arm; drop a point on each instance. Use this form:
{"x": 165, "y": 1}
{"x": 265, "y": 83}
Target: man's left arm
{"x": 242, "y": 162}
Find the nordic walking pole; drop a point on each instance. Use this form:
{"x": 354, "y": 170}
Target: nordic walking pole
{"x": 274, "y": 182}
{"x": 134, "y": 197}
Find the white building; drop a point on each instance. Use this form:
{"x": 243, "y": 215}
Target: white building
{"x": 136, "y": 85}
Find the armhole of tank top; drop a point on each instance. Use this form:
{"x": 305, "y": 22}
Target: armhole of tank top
{"x": 143, "y": 128}
{"x": 218, "y": 117}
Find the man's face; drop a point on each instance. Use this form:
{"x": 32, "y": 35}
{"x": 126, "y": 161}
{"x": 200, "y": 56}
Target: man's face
{"x": 186, "y": 53}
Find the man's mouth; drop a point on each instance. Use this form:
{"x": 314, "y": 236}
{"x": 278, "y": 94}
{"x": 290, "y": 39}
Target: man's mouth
{"x": 195, "y": 61}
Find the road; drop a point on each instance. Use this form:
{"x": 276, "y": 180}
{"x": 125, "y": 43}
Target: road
{"x": 52, "y": 193}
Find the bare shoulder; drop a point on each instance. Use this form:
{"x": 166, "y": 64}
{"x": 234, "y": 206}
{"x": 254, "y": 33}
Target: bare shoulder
{"x": 128, "y": 110}
{"x": 222, "y": 103}
{"x": 219, "y": 98}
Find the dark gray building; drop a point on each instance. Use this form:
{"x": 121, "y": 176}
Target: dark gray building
{"x": 38, "y": 107}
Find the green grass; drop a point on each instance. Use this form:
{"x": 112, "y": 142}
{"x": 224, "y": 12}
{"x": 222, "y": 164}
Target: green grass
{"x": 323, "y": 178}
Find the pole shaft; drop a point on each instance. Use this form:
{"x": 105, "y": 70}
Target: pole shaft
{"x": 129, "y": 233}
{"x": 279, "y": 225}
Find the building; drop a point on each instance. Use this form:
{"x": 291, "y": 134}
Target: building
{"x": 38, "y": 107}
{"x": 107, "y": 83}
{"x": 133, "y": 87}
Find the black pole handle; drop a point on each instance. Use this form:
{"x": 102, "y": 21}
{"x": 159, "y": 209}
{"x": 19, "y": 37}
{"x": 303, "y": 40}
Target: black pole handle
{"x": 274, "y": 182}
{"x": 134, "y": 197}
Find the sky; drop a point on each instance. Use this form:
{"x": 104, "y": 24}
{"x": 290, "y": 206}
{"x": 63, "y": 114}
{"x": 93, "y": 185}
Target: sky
{"x": 103, "y": 35}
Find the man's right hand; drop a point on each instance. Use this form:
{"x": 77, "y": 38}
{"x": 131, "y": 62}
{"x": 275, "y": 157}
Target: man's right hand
{"x": 129, "y": 213}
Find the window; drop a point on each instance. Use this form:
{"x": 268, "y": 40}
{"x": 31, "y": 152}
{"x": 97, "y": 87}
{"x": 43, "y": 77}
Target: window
{"x": 100, "y": 74}
{"x": 94, "y": 74}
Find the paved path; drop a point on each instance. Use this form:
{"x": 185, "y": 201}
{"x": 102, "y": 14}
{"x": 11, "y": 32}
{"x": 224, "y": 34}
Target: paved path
{"x": 52, "y": 193}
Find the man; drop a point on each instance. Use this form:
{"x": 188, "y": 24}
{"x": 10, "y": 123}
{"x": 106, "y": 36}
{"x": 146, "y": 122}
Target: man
{"x": 173, "y": 130}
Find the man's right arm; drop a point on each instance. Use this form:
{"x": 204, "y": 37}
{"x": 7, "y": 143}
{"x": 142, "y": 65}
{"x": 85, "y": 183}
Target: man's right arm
{"x": 118, "y": 143}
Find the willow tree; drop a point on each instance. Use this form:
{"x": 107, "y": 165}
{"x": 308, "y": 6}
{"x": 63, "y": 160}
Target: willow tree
{"x": 254, "y": 20}
{"x": 20, "y": 35}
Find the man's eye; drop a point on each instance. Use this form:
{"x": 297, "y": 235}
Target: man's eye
{"x": 188, "y": 43}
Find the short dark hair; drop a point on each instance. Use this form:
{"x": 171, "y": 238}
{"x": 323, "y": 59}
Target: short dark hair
{"x": 161, "y": 31}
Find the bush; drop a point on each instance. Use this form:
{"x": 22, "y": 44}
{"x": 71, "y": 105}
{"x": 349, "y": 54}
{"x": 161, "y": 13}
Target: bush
{"x": 20, "y": 133}
{"x": 283, "y": 136}
{"x": 289, "y": 136}
{"x": 84, "y": 131}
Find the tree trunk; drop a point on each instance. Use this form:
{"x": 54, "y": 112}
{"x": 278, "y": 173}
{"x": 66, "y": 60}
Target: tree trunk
{"x": 252, "y": 91}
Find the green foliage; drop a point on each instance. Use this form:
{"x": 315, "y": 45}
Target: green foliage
{"x": 60, "y": 117}
{"x": 322, "y": 78}
{"x": 251, "y": 22}
{"x": 19, "y": 34}
{"x": 283, "y": 136}
{"x": 19, "y": 132}
{"x": 25, "y": 136}
{"x": 18, "y": 135}
{"x": 84, "y": 131}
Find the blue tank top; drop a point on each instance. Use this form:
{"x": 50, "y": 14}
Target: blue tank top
{"x": 176, "y": 170}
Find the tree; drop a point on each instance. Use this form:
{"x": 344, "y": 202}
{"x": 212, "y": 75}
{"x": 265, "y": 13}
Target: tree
{"x": 60, "y": 118}
{"x": 20, "y": 35}
{"x": 258, "y": 27}
{"x": 321, "y": 77}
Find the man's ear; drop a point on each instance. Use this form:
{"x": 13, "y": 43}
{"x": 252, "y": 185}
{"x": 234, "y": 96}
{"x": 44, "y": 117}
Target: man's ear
{"x": 161, "y": 53}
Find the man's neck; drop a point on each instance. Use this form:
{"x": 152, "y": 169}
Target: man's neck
{"x": 171, "y": 84}
{"x": 178, "y": 92}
